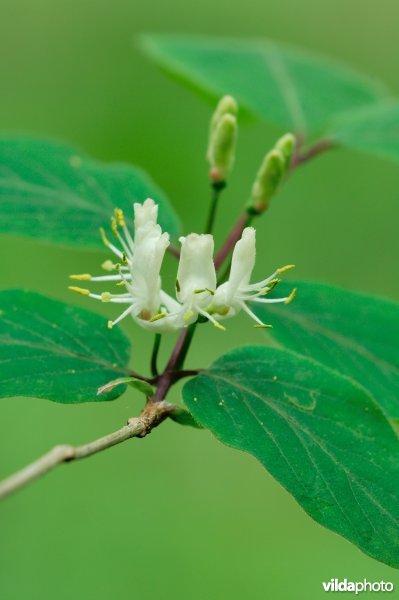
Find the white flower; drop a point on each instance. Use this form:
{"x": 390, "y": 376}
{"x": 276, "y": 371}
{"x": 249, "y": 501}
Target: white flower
{"x": 237, "y": 292}
{"x": 197, "y": 295}
{"x": 138, "y": 271}
{"x": 196, "y": 277}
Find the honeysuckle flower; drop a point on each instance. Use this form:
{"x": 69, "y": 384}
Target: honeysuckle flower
{"x": 234, "y": 295}
{"x": 196, "y": 277}
{"x": 138, "y": 268}
{"x": 138, "y": 271}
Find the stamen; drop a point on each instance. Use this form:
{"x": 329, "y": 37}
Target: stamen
{"x": 111, "y": 278}
{"x": 291, "y": 296}
{"x": 268, "y": 300}
{"x": 124, "y": 276}
{"x": 252, "y": 314}
{"x": 157, "y": 317}
{"x": 284, "y": 269}
{"x": 108, "y": 265}
{"x": 205, "y": 290}
{"x": 120, "y": 217}
{"x": 81, "y": 277}
{"x": 114, "y": 227}
{"x": 108, "y": 244}
{"x": 272, "y": 284}
{"x": 122, "y": 316}
{"x": 211, "y": 319}
{"x": 79, "y": 290}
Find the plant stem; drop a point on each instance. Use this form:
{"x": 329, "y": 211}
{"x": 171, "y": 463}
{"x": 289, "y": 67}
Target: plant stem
{"x": 181, "y": 357}
{"x": 305, "y": 155}
{"x": 174, "y": 251}
{"x": 217, "y": 188}
{"x": 231, "y": 240}
{"x": 155, "y": 352}
{"x": 152, "y": 415}
{"x": 176, "y": 360}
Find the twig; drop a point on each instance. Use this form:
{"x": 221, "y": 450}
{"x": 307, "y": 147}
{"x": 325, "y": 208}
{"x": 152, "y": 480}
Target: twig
{"x": 305, "y": 155}
{"x": 166, "y": 380}
{"x": 217, "y": 188}
{"x": 154, "y": 355}
{"x": 152, "y": 415}
{"x": 174, "y": 251}
{"x": 234, "y": 236}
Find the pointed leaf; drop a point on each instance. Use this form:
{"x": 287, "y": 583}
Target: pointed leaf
{"x": 355, "y": 334}
{"x": 52, "y": 350}
{"x": 52, "y": 192}
{"x": 319, "y": 434}
{"x": 278, "y": 83}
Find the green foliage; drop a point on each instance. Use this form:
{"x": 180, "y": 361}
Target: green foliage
{"x": 318, "y": 433}
{"x": 52, "y": 350}
{"x": 374, "y": 130}
{"x": 138, "y": 384}
{"x": 277, "y": 83}
{"x": 355, "y": 334}
{"x": 184, "y": 417}
{"x": 52, "y": 192}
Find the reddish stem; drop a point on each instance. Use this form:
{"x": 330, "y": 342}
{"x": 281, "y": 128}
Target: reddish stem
{"x": 315, "y": 150}
{"x": 231, "y": 240}
{"x": 174, "y": 251}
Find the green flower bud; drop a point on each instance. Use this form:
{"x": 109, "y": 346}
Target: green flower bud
{"x": 226, "y": 106}
{"x": 221, "y": 151}
{"x": 286, "y": 145}
{"x": 222, "y": 133}
{"x": 267, "y": 181}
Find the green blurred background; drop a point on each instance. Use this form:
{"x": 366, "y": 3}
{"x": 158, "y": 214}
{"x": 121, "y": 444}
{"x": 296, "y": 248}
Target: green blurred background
{"x": 178, "y": 515}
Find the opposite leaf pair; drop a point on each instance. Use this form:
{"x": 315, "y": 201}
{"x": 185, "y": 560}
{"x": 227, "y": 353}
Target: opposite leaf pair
{"x": 197, "y": 291}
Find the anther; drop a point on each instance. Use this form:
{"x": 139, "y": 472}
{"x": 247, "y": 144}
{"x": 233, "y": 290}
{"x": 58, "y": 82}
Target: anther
{"x": 284, "y": 269}
{"x": 79, "y": 290}
{"x": 81, "y": 277}
{"x": 291, "y": 296}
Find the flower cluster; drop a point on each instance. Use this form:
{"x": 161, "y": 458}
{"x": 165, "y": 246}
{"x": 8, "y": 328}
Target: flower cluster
{"x": 138, "y": 268}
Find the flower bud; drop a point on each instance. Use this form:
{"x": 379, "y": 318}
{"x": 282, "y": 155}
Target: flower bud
{"x": 286, "y": 145}
{"x": 222, "y": 137}
{"x": 267, "y": 181}
{"x": 221, "y": 152}
{"x": 226, "y": 106}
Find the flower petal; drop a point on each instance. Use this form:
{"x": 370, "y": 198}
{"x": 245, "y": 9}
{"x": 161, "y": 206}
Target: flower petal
{"x": 196, "y": 268}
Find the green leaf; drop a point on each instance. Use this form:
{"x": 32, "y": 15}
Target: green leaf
{"x": 52, "y": 192}
{"x": 56, "y": 351}
{"x": 138, "y": 384}
{"x": 184, "y": 417}
{"x": 319, "y": 434}
{"x": 374, "y": 130}
{"x": 276, "y": 82}
{"x": 355, "y": 334}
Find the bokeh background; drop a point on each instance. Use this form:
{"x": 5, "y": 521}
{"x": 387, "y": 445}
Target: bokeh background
{"x": 178, "y": 515}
